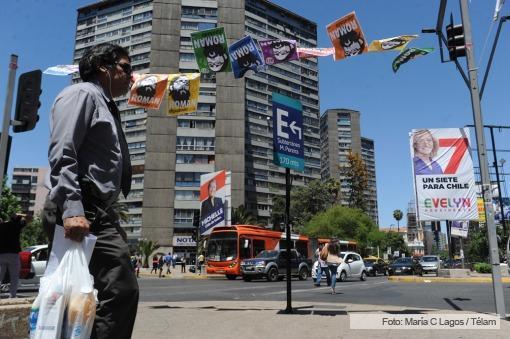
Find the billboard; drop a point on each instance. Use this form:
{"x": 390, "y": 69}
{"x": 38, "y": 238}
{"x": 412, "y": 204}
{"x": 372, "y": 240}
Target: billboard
{"x": 443, "y": 174}
{"x": 459, "y": 229}
{"x": 214, "y": 200}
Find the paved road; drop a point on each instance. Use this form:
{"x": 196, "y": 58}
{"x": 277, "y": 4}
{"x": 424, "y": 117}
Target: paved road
{"x": 378, "y": 291}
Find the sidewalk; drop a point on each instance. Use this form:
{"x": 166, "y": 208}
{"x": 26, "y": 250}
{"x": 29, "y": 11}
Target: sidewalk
{"x": 475, "y": 278}
{"x": 176, "y": 274}
{"x": 263, "y": 319}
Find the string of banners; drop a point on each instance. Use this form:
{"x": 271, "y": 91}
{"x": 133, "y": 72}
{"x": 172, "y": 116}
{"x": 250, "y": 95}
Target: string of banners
{"x": 213, "y": 54}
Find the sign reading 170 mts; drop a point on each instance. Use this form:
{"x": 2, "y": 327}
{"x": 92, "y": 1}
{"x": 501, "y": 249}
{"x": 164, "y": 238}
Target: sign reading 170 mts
{"x": 288, "y": 146}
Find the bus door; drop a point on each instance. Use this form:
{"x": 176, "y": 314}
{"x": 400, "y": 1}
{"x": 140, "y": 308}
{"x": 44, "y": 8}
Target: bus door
{"x": 245, "y": 248}
{"x": 259, "y": 245}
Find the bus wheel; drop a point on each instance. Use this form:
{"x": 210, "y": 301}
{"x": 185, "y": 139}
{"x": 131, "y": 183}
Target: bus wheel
{"x": 272, "y": 275}
{"x": 231, "y": 276}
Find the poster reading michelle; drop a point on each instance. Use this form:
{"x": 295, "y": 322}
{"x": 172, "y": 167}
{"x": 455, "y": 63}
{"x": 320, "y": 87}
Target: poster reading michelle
{"x": 214, "y": 196}
{"x": 443, "y": 174}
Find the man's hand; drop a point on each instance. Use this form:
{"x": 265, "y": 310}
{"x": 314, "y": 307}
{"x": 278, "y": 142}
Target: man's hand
{"x": 75, "y": 228}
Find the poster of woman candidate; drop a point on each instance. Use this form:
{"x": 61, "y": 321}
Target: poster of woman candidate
{"x": 215, "y": 200}
{"x": 183, "y": 91}
{"x": 347, "y": 37}
{"x": 443, "y": 174}
{"x": 245, "y": 56}
{"x": 211, "y": 50}
{"x": 277, "y": 51}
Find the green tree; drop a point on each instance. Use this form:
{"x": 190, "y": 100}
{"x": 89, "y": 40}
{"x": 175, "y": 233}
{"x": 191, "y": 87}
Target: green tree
{"x": 33, "y": 233}
{"x": 397, "y": 214}
{"x": 278, "y": 212}
{"x": 146, "y": 248}
{"x": 121, "y": 209}
{"x": 356, "y": 175}
{"x": 9, "y": 203}
{"x": 241, "y": 216}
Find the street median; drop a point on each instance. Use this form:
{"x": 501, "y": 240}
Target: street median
{"x": 425, "y": 279}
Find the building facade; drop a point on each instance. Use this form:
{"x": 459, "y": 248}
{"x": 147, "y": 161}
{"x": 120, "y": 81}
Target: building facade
{"x": 231, "y": 129}
{"x": 340, "y": 135}
{"x": 27, "y": 185}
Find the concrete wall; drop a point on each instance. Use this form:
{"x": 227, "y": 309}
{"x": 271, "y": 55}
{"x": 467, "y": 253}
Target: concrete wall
{"x": 159, "y": 177}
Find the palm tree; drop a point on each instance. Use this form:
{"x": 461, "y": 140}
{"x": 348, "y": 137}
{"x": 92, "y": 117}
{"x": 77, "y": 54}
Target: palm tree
{"x": 397, "y": 214}
{"x": 241, "y": 216}
{"x": 121, "y": 209}
{"x": 146, "y": 247}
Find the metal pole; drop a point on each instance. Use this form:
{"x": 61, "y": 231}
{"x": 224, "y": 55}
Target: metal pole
{"x": 462, "y": 252}
{"x": 500, "y": 195}
{"x": 287, "y": 239}
{"x": 13, "y": 65}
{"x": 482, "y": 159}
{"x": 449, "y": 240}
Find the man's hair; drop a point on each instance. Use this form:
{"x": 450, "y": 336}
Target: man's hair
{"x": 102, "y": 55}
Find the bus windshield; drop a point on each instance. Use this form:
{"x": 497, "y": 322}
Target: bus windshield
{"x": 222, "y": 246}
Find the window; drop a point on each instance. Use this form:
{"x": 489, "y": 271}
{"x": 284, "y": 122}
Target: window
{"x": 187, "y": 179}
{"x": 258, "y": 246}
{"x": 187, "y": 195}
{"x": 142, "y": 16}
{"x": 199, "y": 12}
{"x": 187, "y": 57}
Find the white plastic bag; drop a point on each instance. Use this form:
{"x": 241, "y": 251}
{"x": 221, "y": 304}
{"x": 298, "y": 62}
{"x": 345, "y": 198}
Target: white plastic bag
{"x": 66, "y": 304}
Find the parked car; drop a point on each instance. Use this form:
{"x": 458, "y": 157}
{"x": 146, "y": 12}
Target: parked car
{"x": 39, "y": 258}
{"x": 375, "y": 266}
{"x": 273, "y": 266}
{"x": 404, "y": 265}
{"x": 452, "y": 263}
{"x": 429, "y": 264}
{"x": 352, "y": 266}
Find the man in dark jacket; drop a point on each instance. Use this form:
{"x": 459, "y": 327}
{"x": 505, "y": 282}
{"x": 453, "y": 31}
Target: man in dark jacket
{"x": 10, "y": 247}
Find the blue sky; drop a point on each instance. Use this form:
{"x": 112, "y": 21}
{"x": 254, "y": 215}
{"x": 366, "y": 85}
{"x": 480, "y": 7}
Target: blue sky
{"x": 423, "y": 94}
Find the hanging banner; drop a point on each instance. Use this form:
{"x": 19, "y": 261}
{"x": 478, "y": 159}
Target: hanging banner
{"x": 276, "y": 51}
{"x": 497, "y": 209}
{"x": 397, "y": 43}
{"x": 347, "y": 37}
{"x": 245, "y": 56}
{"x": 409, "y": 54}
{"x": 148, "y": 90}
{"x": 459, "y": 229}
{"x": 499, "y": 5}
{"x": 183, "y": 91}
{"x": 211, "y": 50}
{"x": 62, "y": 70}
{"x": 214, "y": 197}
{"x": 305, "y": 53}
{"x": 481, "y": 210}
{"x": 443, "y": 174}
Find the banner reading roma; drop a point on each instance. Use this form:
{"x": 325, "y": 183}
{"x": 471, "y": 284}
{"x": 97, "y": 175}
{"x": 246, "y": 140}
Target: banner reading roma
{"x": 347, "y": 37}
{"x": 211, "y": 50}
{"x": 397, "y": 43}
{"x": 443, "y": 174}
{"x": 245, "y": 56}
{"x": 276, "y": 51}
{"x": 183, "y": 90}
{"x": 407, "y": 55}
{"x": 214, "y": 197}
{"x": 148, "y": 90}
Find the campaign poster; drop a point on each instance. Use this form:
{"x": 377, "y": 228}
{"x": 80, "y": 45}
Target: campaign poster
{"x": 276, "y": 51}
{"x": 397, "y": 43}
{"x": 347, "y": 37}
{"x": 148, "y": 90}
{"x": 183, "y": 91}
{"x": 211, "y": 50}
{"x": 305, "y": 53}
{"x": 459, "y": 229}
{"x": 215, "y": 195}
{"x": 245, "y": 56}
{"x": 443, "y": 174}
{"x": 407, "y": 55}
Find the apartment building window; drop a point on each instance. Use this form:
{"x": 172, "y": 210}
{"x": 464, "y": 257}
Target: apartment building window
{"x": 136, "y": 145}
{"x": 142, "y": 16}
{"x": 343, "y": 121}
{"x": 142, "y": 5}
{"x": 141, "y": 36}
{"x": 187, "y": 57}
{"x": 187, "y": 179}
{"x": 199, "y": 12}
{"x": 192, "y": 26}
{"x": 195, "y": 143}
{"x": 194, "y": 159}
{"x": 187, "y": 195}
{"x": 102, "y": 18}
{"x": 127, "y": 11}
{"x": 182, "y": 216}
{"x": 142, "y": 25}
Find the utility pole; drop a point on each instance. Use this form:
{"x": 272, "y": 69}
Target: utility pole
{"x": 482, "y": 158}
{"x": 13, "y": 65}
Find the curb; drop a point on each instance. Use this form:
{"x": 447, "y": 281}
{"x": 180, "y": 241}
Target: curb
{"x": 190, "y": 276}
{"x": 472, "y": 280}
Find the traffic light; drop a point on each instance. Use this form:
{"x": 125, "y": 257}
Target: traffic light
{"x": 27, "y": 101}
{"x": 196, "y": 218}
{"x": 194, "y": 235}
{"x": 456, "y": 41}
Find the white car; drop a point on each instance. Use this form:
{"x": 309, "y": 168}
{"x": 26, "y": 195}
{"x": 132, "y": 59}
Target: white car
{"x": 352, "y": 266}
{"x": 40, "y": 257}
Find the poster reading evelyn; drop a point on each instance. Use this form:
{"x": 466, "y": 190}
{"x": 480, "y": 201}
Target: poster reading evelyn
{"x": 443, "y": 174}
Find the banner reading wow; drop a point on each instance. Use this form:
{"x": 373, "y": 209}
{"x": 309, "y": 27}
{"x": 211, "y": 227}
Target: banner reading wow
{"x": 443, "y": 174}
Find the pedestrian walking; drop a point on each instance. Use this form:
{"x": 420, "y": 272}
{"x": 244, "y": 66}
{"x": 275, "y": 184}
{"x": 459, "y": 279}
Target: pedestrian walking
{"x": 10, "y": 247}
{"x": 201, "y": 261}
{"x": 155, "y": 264}
{"x": 89, "y": 167}
{"x": 183, "y": 265}
{"x": 322, "y": 266}
{"x": 161, "y": 263}
{"x": 174, "y": 260}
{"x": 333, "y": 261}
{"x": 168, "y": 262}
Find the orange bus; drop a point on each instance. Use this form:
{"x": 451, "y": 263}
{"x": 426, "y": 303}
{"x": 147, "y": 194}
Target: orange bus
{"x": 228, "y": 245}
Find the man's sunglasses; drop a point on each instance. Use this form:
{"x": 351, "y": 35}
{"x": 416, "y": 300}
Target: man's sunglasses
{"x": 126, "y": 68}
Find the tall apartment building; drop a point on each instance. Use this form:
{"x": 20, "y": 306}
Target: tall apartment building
{"x": 341, "y": 134}
{"x": 232, "y": 127}
{"x": 27, "y": 185}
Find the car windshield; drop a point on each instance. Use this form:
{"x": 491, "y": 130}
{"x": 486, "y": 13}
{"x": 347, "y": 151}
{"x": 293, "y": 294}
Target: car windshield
{"x": 267, "y": 254}
{"x": 222, "y": 247}
{"x": 403, "y": 261}
{"x": 429, "y": 259}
